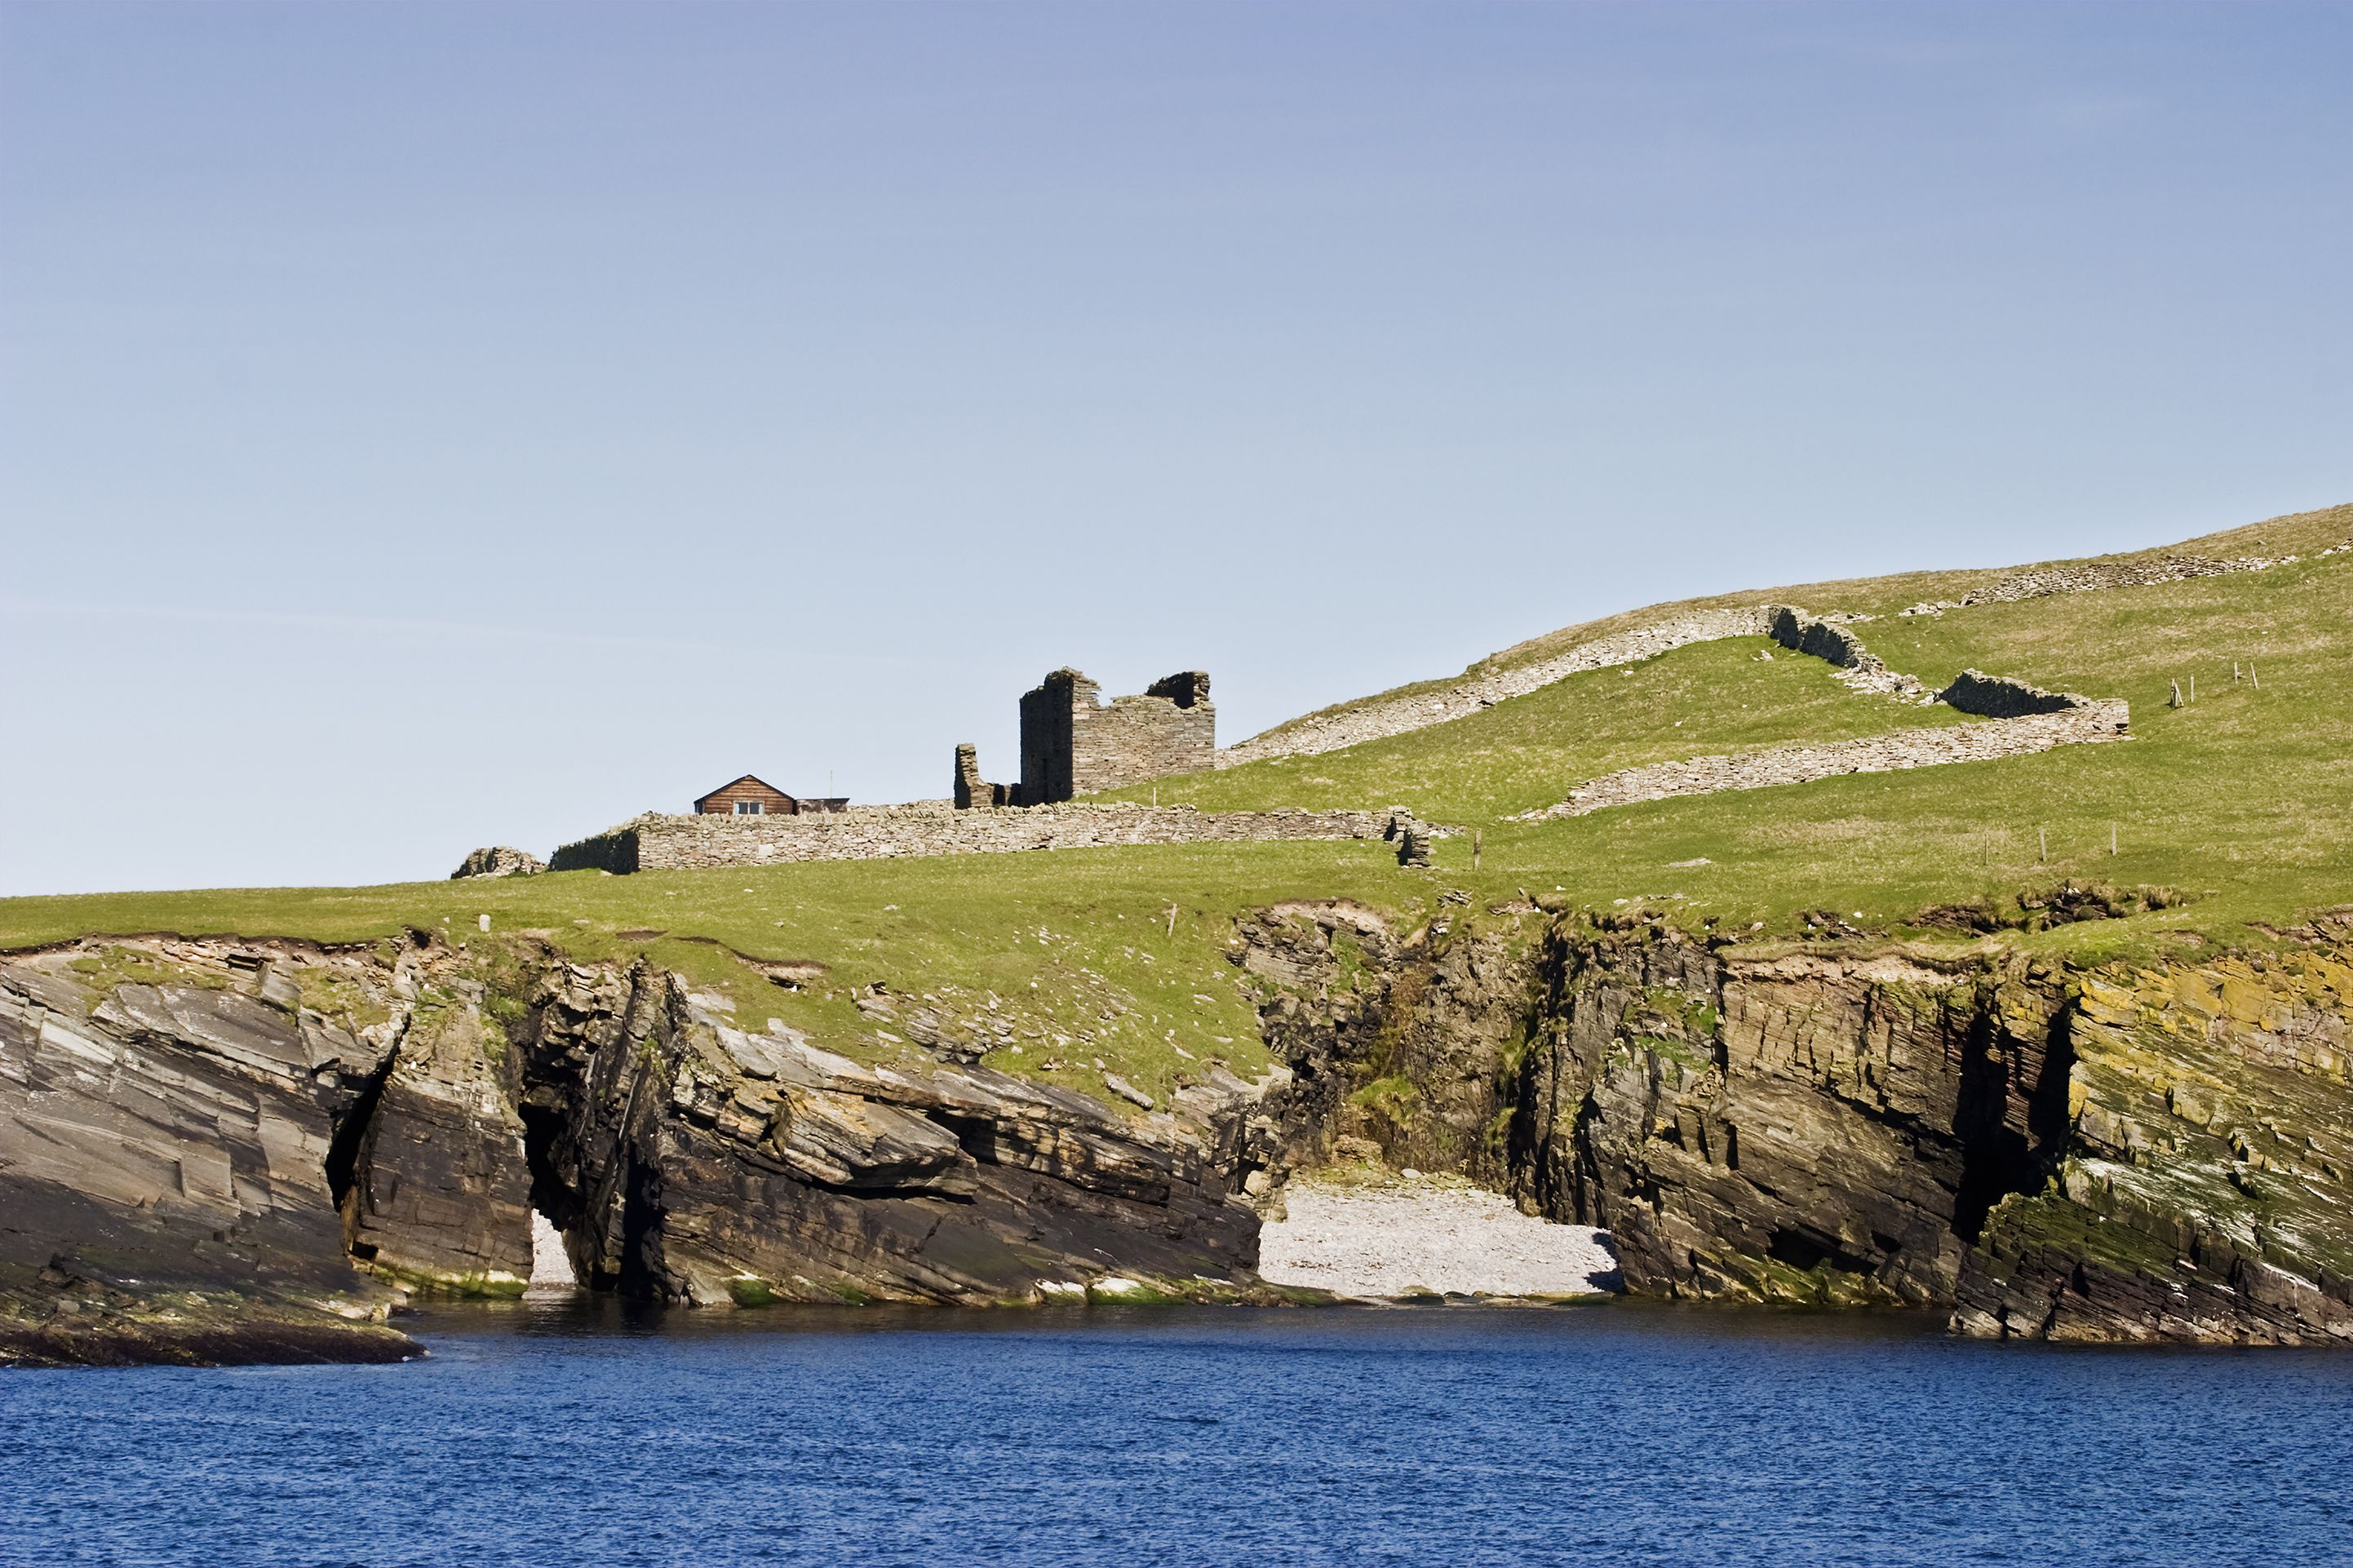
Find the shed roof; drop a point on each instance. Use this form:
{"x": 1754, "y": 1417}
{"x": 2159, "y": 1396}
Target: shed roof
{"x": 746, "y": 779}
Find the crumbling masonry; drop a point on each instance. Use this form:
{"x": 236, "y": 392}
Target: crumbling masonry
{"x": 1074, "y": 743}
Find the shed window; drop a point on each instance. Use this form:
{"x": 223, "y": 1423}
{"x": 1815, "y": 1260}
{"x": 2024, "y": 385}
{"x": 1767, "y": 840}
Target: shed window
{"x": 747, "y": 808}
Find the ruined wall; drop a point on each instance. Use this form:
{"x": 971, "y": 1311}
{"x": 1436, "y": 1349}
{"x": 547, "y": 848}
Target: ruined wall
{"x": 890, "y": 832}
{"x": 970, "y": 789}
{"x": 2004, "y": 697}
{"x": 1074, "y": 743}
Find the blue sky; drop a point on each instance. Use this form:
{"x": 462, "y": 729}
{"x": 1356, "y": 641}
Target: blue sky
{"x": 427, "y": 425}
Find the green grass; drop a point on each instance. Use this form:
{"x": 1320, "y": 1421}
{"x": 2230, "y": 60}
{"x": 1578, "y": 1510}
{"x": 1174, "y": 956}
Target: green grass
{"x": 1531, "y": 751}
{"x": 2242, "y": 802}
{"x": 2298, "y": 534}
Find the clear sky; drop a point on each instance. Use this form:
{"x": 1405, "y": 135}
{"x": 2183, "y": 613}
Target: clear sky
{"x": 430, "y": 426}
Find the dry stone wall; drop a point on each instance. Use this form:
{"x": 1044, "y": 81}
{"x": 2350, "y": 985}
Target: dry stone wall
{"x": 1334, "y": 731}
{"x": 1920, "y": 748}
{"x": 1397, "y": 716}
{"x": 2019, "y": 720}
{"x": 2092, "y": 577}
{"x": 657, "y": 842}
{"x": 1832, "y": 643}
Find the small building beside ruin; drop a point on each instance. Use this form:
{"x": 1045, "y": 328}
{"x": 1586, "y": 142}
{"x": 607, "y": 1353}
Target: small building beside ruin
{"x": 1073, "y": 742}
{"x": 750, "y": 796}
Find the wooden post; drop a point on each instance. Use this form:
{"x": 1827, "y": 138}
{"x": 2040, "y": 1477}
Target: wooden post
{"x": 2176, "y": 701}
{"x": 2111, "y": 838}
{"x": 1172, "y": 920}
{"x": 2193, "y": 689}
{"x": 2043, "y": 835}
{"x": 2234, "y": 672}
{"x": 1478, "y": 838}
{"x": 2253, "y": 679}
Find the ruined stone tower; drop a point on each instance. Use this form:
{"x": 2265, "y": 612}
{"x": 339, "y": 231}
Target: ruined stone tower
{"x": 1073, "y": 742}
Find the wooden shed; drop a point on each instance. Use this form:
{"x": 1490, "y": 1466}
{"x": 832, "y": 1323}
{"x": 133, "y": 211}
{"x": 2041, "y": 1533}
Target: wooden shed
{"x": 747, "y": 796}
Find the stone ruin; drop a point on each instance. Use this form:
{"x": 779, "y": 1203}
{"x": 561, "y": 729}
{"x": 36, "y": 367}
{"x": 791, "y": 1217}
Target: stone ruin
{"x": 1075, "y": 743}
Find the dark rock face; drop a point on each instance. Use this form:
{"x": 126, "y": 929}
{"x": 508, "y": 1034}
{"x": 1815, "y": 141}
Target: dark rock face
{"x": 209, "y": 1152}
{"x": 165, "y": 1149}
{"x": 686, "y": 1159}
{"x": 2121, "y": 1153}
{"x": 220, "y": 1150}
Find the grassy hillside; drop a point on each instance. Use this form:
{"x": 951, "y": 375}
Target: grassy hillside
{"x": 2242, "y": 802}
{"x": 1529, "y": 752}
{"x": 2297, "y": 533}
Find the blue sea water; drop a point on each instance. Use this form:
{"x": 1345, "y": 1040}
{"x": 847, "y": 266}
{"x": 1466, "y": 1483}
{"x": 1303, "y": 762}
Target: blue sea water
{"x": 596, "y": 1434}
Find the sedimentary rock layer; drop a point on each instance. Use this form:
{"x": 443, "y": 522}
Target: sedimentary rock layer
{"x": 216, "y": 1150}
{"x": 2130, "y": 1151}
{"x": 220, "y": 1150}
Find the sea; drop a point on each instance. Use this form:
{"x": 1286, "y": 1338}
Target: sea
{"x": 588, "y": 1431}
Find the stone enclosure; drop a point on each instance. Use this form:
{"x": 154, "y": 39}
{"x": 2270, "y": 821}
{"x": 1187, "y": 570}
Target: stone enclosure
{"x": 657, "y": 842}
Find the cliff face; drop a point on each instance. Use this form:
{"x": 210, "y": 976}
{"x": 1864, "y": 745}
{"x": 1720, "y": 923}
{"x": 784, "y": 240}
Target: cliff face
{"x": 2129, "y": 1152}
{"x": 200, "y": 1140}
{"x": 227, "y": 1150}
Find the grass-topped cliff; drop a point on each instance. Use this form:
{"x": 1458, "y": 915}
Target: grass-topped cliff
{"x": 2241, "y": 803}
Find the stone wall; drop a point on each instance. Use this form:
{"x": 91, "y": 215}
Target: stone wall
{"x": 1835, "y": 644}
{"x": 2004, "y": 697}
{"x": 1333, "y": 731}
{"x": 1074, "y": 743}
{"x": 657, "y": 842}
{"x": 2094, "y": 576}
{"x": 971, "y": 789}
{"x": 2075, "y": 725}
{"x": 1398, "y": 715}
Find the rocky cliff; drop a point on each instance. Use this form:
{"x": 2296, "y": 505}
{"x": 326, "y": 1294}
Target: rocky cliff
{"x": 223, "y": 1151}
{"x": 2154, "y": 1150}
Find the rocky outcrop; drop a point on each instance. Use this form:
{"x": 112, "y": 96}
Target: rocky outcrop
{"x": 175, "y": 1121}
{"x": 2012, "y": 1140}
{"x": 499, "y": 861}
{"x": 223, "y": 1150}
{"x": 218, "y": 1150}
{"x": 686, "y": 1159}
{"x": 2159, "y": 1151}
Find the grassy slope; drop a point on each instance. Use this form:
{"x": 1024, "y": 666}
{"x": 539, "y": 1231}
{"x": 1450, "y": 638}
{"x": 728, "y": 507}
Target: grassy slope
{"x": 1531, "y": 750}
{"x": 2245, "y": 802}
{"x": 2298, "y": 534}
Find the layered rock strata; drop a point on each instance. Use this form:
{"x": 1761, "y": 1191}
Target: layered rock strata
{"x": 226, "y": 1150}
{"x": 222, "y": 1150}
{"x": 2132, "y": 1152}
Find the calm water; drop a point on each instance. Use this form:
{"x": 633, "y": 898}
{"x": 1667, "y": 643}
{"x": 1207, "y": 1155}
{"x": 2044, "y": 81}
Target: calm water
{"x": 1614, "y": 1434}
